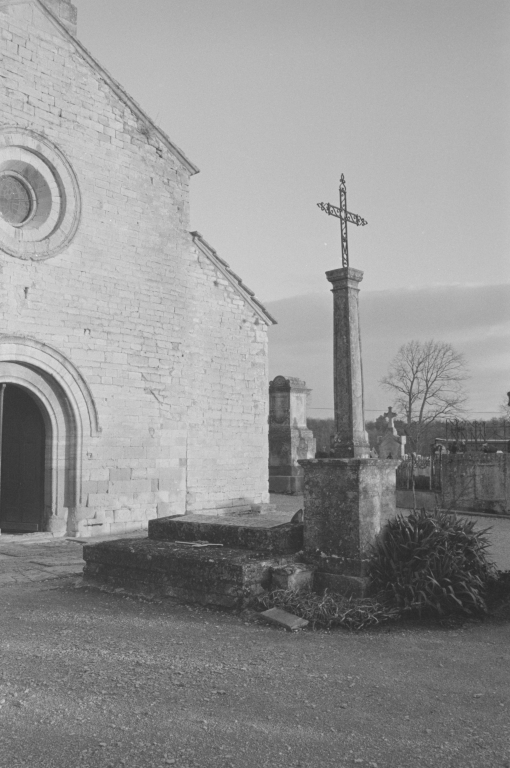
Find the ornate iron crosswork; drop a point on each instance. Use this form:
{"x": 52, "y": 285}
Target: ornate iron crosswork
{"x": 345, "y": 217}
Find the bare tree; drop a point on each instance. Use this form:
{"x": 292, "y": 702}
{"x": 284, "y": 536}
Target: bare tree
{"x": 427, "y": 379}
{"x": 504, "y": 408}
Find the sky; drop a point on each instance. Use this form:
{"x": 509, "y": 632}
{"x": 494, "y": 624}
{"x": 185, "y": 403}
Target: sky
{"x": 275, "y": 99}
{"x": 302, "y": 342}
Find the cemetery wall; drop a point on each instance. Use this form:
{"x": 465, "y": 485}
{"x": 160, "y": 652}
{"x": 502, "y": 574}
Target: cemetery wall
{"x": 478, "y": 482}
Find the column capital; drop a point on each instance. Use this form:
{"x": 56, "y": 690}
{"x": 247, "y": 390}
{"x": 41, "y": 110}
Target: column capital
{"x": 345, "y": 275}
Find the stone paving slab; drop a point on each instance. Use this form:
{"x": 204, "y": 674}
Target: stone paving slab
{"x": 273, "y": 520}
{"x": 255, "y": 534}
{"x": 33, "y": 559}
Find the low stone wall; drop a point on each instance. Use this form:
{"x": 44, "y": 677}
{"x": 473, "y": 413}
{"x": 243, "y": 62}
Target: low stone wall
{"x": 478, "y": 482}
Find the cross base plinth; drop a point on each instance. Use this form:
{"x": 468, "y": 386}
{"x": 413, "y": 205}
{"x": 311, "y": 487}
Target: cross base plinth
{"x": 349, "y": 449}
{"x": 344, "y": 503}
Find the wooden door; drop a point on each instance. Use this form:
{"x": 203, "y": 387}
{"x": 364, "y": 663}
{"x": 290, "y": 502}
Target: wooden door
{"x": 22, "y": 462}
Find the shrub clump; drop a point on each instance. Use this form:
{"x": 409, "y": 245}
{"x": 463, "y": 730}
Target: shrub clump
{"x": 330, "y": 609}
{"x": 498, "y": 593}
{"x": 432, "y": 563}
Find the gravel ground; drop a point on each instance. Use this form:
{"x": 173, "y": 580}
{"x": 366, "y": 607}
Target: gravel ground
{"x": 95, "y": 680}
{"x": 89, "y": 680}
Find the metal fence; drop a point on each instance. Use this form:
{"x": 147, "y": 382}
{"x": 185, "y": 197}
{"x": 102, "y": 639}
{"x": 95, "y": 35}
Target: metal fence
{"x": 476, "y": 435}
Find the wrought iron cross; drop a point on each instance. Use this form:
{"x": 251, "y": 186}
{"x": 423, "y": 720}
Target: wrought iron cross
{"x": 343, "y": 214}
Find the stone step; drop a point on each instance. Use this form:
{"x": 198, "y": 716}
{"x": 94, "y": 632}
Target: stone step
{"x": 261, "y": 534}
{"x": 217, "y": 576}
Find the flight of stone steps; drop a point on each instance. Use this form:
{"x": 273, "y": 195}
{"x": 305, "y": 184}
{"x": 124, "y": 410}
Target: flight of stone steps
{"x": 222, "y": 561}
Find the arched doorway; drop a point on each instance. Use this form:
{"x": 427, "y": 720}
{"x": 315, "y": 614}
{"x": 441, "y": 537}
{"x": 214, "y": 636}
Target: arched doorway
{"x": 22, "y": 461}
{"x": 57, "y": 391}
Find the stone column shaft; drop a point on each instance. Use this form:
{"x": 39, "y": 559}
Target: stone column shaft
{"x": 351, "y": 439}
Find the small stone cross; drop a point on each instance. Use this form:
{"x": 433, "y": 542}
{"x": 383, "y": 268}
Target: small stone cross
{"x": 390, "y": 417}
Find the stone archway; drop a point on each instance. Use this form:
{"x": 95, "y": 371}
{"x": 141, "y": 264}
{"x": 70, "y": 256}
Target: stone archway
{"x": 69, "y": 415}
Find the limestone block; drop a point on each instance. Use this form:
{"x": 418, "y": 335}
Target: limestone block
{"x": 164, "y": 509}
{"x": 119, "y": 474}
{"x": 99, "y": 500}
{"x": 129, "y": 487}
{"x": 83, "y": 529}
{"x": 344, "y": 502}
{"x": 57, "y": 525}
{"x": 103, "y": 516}
{"x": 125, "y": 515}
{"x": 118, "y": 527}
{"x": 83, "y": 513}
{"x": 293, "y": 577}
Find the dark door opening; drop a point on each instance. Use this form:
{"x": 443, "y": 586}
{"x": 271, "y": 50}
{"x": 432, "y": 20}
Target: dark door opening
{"x": 22, "y": 461}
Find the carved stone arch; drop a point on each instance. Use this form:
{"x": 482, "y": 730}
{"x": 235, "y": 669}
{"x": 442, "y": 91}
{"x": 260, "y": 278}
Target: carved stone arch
{"x": 69, "y": 413}
{"x": 41, "y": 356}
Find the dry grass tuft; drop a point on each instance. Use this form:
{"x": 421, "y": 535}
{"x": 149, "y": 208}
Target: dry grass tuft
{"x": 330, "y": 609}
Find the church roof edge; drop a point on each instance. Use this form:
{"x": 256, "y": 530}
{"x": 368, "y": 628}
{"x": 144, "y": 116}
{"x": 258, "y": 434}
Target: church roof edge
{"x": 233, "y": 279}
{"x": 119, "y": 90}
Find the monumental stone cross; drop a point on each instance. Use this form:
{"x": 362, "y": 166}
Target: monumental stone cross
{"x": 350, "y": 439}
{"x": 347, "y": 496}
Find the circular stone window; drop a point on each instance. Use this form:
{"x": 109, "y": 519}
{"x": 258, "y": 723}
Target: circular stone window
{"x": 17, "y": 200}
{"x": 39, "y": 196}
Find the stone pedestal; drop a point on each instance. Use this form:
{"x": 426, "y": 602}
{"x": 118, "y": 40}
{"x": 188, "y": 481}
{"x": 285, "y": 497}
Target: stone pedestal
{"x": 344, "y": 501}
{"x": 392, "y": 445}
{"x": 351, "y": 439}
{"x": 289, "y": 438}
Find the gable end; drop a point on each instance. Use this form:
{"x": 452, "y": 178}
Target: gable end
{"x": 232, "y": 278}
{"x": 117, "y": 89}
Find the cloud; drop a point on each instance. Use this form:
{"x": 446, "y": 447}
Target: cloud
{"x": 475, "y": 319}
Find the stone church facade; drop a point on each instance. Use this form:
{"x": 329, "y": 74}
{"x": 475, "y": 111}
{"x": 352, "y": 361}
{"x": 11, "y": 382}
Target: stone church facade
{"x": 133, "y": 361}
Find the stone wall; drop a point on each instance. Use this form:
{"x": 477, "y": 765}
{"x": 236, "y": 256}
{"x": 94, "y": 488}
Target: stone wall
{"x": 173, "y": 351}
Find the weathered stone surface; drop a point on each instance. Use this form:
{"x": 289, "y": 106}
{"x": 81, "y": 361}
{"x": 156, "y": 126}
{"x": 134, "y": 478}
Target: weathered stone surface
{"x": 293, "y": 577}
{"x": 222, "y": 577}
{"x": 348, "y": 586}
{"x": 257, "y": 533}
{"x": 344, "y": 501}
{"x": 284, "y": 619}
{"x": 351, "y": 439}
